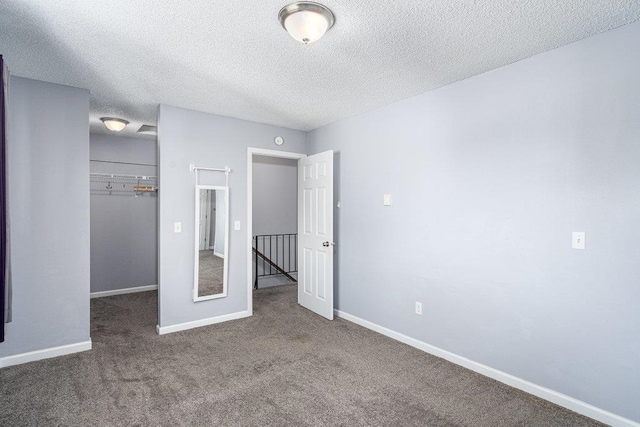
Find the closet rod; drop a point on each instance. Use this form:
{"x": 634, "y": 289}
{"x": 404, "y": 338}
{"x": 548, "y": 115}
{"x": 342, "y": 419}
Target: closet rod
{"x": 122, "y": 163}
{"x": 117, "y": 175}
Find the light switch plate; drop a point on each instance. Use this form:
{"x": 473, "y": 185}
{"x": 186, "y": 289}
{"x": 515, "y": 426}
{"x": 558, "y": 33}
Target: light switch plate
{"x": 386, "y": 200}
{"x": 578, "y": 240}
{"x": 236, "y": 225}
{"x": 177, "y": 227}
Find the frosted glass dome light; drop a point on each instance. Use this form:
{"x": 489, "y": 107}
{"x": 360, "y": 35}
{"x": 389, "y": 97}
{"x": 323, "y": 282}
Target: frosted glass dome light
{"x": 113, "y": 124}
{"x": 306, "y": 21}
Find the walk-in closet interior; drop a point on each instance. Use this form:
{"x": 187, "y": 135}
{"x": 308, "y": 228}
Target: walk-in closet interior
{"x": 124, "y": 206}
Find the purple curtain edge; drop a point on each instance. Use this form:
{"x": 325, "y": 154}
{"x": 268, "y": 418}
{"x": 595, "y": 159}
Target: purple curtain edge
{"x": 3, "y": 200}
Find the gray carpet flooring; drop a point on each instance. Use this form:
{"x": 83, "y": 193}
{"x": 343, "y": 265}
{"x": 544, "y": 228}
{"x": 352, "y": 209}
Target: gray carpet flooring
{"x": 282, "y": 367}
{"x": 211, "y": 271}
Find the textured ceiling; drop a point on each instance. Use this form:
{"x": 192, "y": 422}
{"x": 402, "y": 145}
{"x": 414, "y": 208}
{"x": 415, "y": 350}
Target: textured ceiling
{"x": 234, "y": 59}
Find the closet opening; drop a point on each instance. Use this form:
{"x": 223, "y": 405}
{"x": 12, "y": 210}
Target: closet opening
{"x": 123, "y": 228}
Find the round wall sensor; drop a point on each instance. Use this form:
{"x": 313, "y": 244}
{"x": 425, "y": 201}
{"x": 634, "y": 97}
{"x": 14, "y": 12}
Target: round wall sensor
{"x": 279, "y": 140}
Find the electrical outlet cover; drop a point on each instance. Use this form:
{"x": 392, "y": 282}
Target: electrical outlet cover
{"x": 418, "y": 308}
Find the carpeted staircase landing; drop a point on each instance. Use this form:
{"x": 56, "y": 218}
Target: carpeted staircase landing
{"x": 282, "y": 367}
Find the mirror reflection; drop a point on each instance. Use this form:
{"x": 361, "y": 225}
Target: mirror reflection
{"x": 211, "y": 242}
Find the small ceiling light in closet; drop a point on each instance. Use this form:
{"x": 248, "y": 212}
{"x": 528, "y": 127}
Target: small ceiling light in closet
{"x": 113, "y": 124}
{"x": 306, "y": 21}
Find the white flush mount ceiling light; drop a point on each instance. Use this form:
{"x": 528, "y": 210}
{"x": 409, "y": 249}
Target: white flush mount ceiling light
{"x": 113, "y": 124}
{"x": 306, "y": 21}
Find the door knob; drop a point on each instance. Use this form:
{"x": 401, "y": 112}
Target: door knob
{"x": 327, "y": 244}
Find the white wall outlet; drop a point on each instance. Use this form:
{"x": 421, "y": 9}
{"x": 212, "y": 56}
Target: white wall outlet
{"x": 236, "y": 225}
{"x": 577, "y": 241}
{"x": 177, "y": 227}
{"x": 386, "y": 200}
{"x": 419, "y": 308}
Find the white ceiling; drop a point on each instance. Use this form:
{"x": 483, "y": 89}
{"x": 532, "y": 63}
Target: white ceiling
{"x": 233, "y": 58}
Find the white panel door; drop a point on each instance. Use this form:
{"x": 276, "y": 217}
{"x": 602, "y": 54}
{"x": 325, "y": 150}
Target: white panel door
{"x": 315, "y": 233}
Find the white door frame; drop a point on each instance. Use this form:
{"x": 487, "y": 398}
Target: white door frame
{"x": 250, "y": 153}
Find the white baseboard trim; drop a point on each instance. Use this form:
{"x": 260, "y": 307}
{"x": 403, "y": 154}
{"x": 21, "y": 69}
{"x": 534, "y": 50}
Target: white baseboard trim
{"x": 46, "y": 353}
{"x": 513, "y": 381}
{"x": 124, "y": 291}
{"x": 162, "y": 330}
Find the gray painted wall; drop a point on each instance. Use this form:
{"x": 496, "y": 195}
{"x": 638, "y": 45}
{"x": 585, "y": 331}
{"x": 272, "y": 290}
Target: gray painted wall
{"x": 124, "y": 243}
{"x": 48, "y": 158}
{"x": 208, "y": 140}
{"x": 275, "y": 209}
{"x": 489, "y": 177}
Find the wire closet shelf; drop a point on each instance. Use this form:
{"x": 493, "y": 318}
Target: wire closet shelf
{"x": 135, "y": 185}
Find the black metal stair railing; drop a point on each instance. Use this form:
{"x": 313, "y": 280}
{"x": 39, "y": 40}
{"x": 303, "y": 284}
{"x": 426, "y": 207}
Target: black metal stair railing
{"x": 277, "y": 254}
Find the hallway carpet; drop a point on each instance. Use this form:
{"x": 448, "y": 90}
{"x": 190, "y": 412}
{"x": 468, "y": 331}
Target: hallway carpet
{"x": 282, "y": 367}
